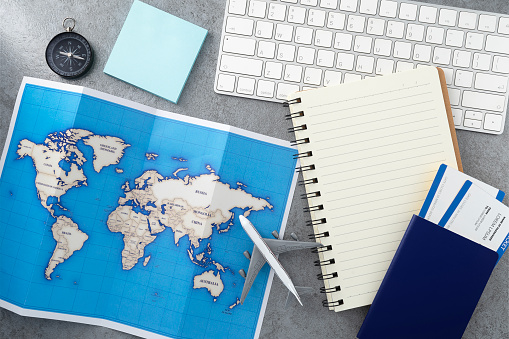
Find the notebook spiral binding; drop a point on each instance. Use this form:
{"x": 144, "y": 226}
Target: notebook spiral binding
{"x": 312, "y": 223}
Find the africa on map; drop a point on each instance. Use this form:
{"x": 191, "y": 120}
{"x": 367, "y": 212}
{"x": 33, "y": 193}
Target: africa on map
{"x": 126, "y": 218}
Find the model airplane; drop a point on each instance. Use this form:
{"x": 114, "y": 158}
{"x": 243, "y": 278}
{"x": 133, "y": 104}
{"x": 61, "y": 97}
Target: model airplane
{"x": 266, "y": 250}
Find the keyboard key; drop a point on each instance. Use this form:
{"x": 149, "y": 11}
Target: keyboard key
{"x": 309, "y": 2}
{"x": 355, "y": 23}
{"x": 285, "y": 52}
{"x": 464, "y": 78}
{"x": 472, "y": 123}
{"x": 240, "y": 26}
{"x": 283, "y": 32}
{"x": 293, "y": 73}
{"x": 473, "y": 115}
{"x": 283, "y": 90}
{"x": 257, "y": 9}
{"x": 365, "y": 64}
{"x": 316, "y": 18}
{"x": 501, "y": 64}
{"x": 245, "y": 86}
{"x": 345, "y": 61}
{"x": 388, "y": 8}
{"x": 264, "y": 29}
{"x": 325, "y": 58}
{"x": 447, "y": 17}
{"x": 348, "y": 5}
{"x": 290, "y": 1}
{"x": 296, "y": 15}
{"x": 402, "y": 50}
{"x": 237, "y": 45}
{"x": 375, "y": 26}
{"x": 422, "y": 53}
{"x": 474, "y": 41}
{"x": 303, "y": 35}
{"x": 454, "y": 96}
{"x": 461, "y": 59}
{"x": 457, "y": 115}
{"x": 402, "y": 66}
{"x": 306, "y": 55}
{"x": 329, "y": 4}
{"x": 277, "y": 12}
{"x": 352, "y": 78}
{"x": 493, "y": 122}
{"x": 487, "y": 23}
{"x": 503, "y": 26}
{"x": 266, "y": 49}
{"x": 395, "y": 29}
{"x": 336, "y": 20}
{"x": 497, "y": 44}
{"x": 428, "y": 14}
{"x": 323, "y": 38}
{"x": 312, "y": 76}
{"x": 454, "y": 38}
{"x": 442, "y": 56}
{"x": 490, "y": 82}
{"x": 237, "y": 7}
{"x": 384, "y": 66}
{"x": 408, "y": 11}
{"x": 332, "y": 78}
{"x": 415, "y": 32}
{"x": 449, "y": 75}
{"x": 343, "y": 41}
{"x": 273, "y": 70}
{"x": 362, "y": 44}
{"x": 478, "y": 100}
{"x": 235, "y": 64}
{"x": 369, "y": 7}
{"x": 225, "y": 82}
{"x": 383, "y": 47}
{"x": 467, "y": 20}
{"x": 265, "y": 89}
{"x": 435, "y": 35}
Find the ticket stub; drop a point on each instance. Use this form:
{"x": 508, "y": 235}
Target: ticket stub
{"x": 477, "y": 216}
{"x": 445, "y": 187}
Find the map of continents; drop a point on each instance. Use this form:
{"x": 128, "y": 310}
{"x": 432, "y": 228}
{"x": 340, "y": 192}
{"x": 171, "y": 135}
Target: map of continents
{"x": 191, "y": 206}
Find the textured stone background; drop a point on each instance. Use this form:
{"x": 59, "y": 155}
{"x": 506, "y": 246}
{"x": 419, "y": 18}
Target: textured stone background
{"x": 26, "y": 27}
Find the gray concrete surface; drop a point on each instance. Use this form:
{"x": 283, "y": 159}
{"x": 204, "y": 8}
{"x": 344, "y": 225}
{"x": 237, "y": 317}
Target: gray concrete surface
{"x": 26, "y": 26}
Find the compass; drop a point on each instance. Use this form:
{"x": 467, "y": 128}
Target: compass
{"x": 69, "y": 54}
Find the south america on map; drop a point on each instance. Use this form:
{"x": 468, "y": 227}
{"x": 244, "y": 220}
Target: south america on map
{"x": 126, "y": 218}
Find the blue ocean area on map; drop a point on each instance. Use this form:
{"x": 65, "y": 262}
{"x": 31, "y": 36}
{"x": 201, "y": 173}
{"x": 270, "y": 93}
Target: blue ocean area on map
{"x": 157, "y": 292}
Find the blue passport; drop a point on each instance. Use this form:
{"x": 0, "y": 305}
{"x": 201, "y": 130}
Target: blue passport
{"x": 432, "y": 286}
{"x": 155, "y": 51}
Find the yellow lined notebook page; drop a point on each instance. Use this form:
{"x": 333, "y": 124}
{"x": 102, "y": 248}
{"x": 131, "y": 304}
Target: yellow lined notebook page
{"x": 376, "y": 146}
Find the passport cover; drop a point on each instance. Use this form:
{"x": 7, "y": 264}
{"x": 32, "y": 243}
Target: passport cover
{"x": 155, "y": 51}
{"x": 431, "y": 287}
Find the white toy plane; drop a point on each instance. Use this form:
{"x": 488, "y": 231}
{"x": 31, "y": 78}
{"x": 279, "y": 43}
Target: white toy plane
{"x": 266, "y": 250}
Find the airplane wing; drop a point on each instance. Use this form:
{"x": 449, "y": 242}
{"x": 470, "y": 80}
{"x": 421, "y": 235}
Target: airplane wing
{"x": 281, "y": 246}
{"x": 255, "y": 265}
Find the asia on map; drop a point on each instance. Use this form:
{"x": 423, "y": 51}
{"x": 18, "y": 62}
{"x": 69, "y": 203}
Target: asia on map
{"x": 121, "y": 215}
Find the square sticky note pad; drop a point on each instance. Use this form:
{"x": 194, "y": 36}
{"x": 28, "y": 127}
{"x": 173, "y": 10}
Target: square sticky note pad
{"x": 155, "y": 51}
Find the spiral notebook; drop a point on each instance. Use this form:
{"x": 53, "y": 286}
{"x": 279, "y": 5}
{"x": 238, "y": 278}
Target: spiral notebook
{"x": 368, "y": 153}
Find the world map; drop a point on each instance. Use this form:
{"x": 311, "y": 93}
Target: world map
{"x": 116, "y": 214}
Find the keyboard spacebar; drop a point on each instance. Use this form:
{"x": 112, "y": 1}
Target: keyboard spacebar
{"x": 241, "y": 65}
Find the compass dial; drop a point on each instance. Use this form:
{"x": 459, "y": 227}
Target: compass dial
{"x": 69, "y": 55}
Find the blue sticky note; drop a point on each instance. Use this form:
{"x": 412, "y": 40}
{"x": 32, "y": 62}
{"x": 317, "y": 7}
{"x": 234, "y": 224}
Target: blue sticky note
{"x": 155, "y": 51}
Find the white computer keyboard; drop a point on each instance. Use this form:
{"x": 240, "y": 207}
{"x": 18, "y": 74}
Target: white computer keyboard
{"x": 272, "y": 48}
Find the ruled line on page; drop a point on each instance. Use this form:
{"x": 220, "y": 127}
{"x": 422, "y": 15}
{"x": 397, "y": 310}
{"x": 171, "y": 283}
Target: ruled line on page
{"x": 361, "y": 275}
{"x": 372, "y": 201}
{"x": 364, "y": 238}
{"x": 369, "y": 96}
{"x": 383, "y": 137}
{"x": 375, "y": 209}
{"x": 376, "y": 129}
{"x": 373, "y": 112}
{"x": 378, "y": 173}
{"x": 365, "y": 283}
{"x": 383, "y": 163}
{"x": 373, "y": 263}
{"x": 386, "y": 216}
{"x": 371, "y": 228}
{"x": 381, "y": 155}
{"x": 382, "y": 190}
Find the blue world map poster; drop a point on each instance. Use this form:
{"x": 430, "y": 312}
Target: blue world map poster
{"x": 121, "y": 215}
